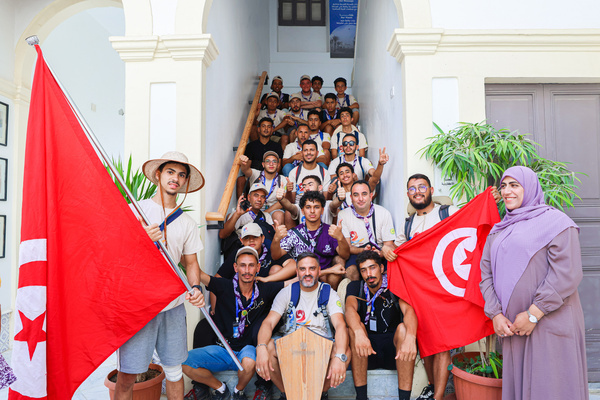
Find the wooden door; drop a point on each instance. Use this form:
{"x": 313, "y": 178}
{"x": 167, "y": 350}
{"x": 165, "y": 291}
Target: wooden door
{"x": 565, "y": 120}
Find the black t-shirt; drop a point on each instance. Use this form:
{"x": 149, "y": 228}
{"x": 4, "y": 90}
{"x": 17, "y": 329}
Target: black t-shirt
{"x": 385, "y": 311}
{"x": 227, "y": 271}
{"x": 283, "y": 98}
{"x": 325, "y": 116}
{"x": 255, "y": 151}
{"x": 225, "y": 310}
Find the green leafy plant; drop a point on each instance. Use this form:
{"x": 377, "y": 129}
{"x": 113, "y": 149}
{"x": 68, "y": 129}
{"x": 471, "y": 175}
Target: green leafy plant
{"x": 136, "y": 181}
{"x": 476, "y": 155}
{"x": 490, "y": 367}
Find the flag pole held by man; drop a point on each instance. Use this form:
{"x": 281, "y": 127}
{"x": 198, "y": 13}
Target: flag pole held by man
{"x": 438, "y": 274}
{"x": 87, "y": 272}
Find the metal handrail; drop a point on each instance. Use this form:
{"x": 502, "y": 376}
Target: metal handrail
{"x": 219, "y": 215}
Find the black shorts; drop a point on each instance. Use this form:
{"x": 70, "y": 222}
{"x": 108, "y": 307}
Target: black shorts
{"x": 383, "y": 344}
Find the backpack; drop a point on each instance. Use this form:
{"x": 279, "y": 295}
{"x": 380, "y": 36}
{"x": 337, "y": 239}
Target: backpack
{"x": 444, "y": 213}
{"x": 299, "y": 169}
{"x": 324, "y": 292}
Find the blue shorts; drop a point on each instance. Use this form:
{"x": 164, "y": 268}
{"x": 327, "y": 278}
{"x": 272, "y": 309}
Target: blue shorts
{"x": 167, "y": 332}
{"x": 215, "y": 358}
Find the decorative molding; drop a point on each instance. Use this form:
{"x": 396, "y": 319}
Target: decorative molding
{"x": 7, "y": 88}
{"x": 200, "y": 47}
{"x": 409, "y": 42}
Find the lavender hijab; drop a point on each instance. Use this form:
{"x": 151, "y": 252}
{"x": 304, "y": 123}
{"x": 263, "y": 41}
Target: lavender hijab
{"x": 522, "y": 233}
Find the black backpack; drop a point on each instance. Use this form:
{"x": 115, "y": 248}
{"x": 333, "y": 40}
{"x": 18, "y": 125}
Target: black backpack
{"x": 444, "y": 213}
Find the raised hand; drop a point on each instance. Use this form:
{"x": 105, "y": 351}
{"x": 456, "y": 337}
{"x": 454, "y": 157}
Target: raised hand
{"x": 280, "y": 191}
{"x": 244, "y": 160}
{"x": 341, "y": 193}
{"x": 383, "y": 157}
{"x": 280, "y": 231}
{"x": 336, "y": 232}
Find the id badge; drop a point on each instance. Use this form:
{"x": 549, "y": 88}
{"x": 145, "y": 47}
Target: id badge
{"x": 372, "y": 323}
{"x": 236, "y": 332}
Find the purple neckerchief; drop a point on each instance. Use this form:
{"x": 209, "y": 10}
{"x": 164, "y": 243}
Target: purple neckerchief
{"x": 304, "y": 97}
{"x": 371, "y": 301}
{"x": 239, "y": 307}
{"x": 343, "y": 160}
{"x": 372, "y": 239}
{"x": 522, "y": 233}
{"x": 263, "y": 255}
{"x": 329, "y": 117}
{"x": 313, "y": 240}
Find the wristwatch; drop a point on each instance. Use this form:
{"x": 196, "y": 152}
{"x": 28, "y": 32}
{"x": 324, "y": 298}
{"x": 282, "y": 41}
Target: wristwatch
{"x": 342, "y": 357}
{"x": 532, "y": 318}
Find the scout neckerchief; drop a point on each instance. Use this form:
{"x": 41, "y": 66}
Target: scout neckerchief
{"x": 304, "y": 97}
{"x": 263, "y": 255}
{"x": 343, "y": 160}
{"x": 319, "y": 134}
{"x": 241, "y": 312}
{"x": 371, "y": 301}
{"x": 329, "y": 117}
{"x": 372, "y": 239}
{"x": 311, "y": 240}
{"x": 299, "y": 147}
{"x": 346, "y": 101}
{"x": 269, "y": 115}
{"x": 254, "y": 215}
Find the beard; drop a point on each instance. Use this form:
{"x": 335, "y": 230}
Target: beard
{"x": 308, "y": 284}
{"x": 426, "y": 202}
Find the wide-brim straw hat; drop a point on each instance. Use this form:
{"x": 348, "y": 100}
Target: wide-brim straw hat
{"x": 196, "y": 180}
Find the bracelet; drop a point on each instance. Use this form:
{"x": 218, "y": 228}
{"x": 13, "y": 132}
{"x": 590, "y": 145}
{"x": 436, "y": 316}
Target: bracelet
{"x": 198, "y": 287}
{"x": 261, "y": 344}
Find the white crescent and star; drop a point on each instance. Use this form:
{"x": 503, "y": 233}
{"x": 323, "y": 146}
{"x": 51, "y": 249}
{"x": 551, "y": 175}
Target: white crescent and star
{"x": 460, "y": 243}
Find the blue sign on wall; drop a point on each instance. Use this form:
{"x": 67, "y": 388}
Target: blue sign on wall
{"x": 342, "y": 28}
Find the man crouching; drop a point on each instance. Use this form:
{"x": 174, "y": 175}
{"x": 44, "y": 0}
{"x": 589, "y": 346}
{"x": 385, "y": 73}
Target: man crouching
{"x": 306, "y": 311}
{"x": 382, "y": 327}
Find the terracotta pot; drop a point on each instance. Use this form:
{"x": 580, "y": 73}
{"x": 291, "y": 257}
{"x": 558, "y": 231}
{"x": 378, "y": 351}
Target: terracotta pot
{"x": 473, "y": 387}
{"x": 149, "y": 390}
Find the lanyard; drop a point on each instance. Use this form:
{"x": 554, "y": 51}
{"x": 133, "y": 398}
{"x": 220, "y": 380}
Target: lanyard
{"x": 371, "y": 301}
{"x": 240, "y": 317}
{"x": 263, "y": 180}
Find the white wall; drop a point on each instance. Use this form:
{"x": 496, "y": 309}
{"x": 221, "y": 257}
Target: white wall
{"x": 295, "y": 51}
{"x": 231, "y": 80}
{"x": 515, "y": 14}
{"x": 376, "y": 76}
{"x": 7, "y": 48}
{"x": 92, "y": 72}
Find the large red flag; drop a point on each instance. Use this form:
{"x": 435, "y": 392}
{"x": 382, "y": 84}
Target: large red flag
{"x": 438, "y": 274}
{"x": 89, "y": 276}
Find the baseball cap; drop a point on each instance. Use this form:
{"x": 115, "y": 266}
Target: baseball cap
{"x": 303, "y": 77}
{"x": 273, "y": 94}
{"x": 295, "y": 96}
{"x": 251, "y": 229}
{"x": 246, "y": 250}
{"x": 270, "y": 153}
{"x": 258, "y": 186}
{"x": 278, "y": 78}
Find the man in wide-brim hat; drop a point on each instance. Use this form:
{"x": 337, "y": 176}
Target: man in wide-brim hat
{"x": 172, "y": 174}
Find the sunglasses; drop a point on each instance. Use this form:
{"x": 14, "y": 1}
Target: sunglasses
{"x": 349, "y": 143}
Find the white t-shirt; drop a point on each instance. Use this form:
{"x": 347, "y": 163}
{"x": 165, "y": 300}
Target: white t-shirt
{"x": 338, "y": 137}
{"x": 423, "y": 222}
{"x": 317, "y": 138}
{"x": 307, "y": 305}
{"x": 297, "y": 180}
{"x": 345, "y": 101}
{"x": 361, "y": 165}
{"x": 270, "y": 184}
{"x": 302, "y": 114}
{"x": 356, "y": 230}
{"x": 277, "y": 117}
{"x": 246, "y": 218}
{"x": 183, "y": 235}
{"x": 314, "y": 96}
{"x": 294, "y": 148}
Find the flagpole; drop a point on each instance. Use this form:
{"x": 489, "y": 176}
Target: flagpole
{"x": 34, "y": 41}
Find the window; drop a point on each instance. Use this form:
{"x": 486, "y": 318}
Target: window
{"x": 302, "y": 12}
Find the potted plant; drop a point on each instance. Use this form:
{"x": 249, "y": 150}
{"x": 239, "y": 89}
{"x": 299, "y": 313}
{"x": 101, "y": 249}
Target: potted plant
{"x": 478, "y": 375}
{"x": 476, "y": 155}
{"x": 147, "y": 385}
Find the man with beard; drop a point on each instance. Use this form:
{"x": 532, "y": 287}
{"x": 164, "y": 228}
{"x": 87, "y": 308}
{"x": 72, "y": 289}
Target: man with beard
{"x": 293, "y": 154}
{"x": 240, "y": 217}
{"x": 322, "y": 138}
{"x": 305, "y": 311}
{"x": 382, "y": 327}
{"x": 307, "y": 167}
{"x": 295, "y": 116}
{"x": 242, "y": 305}
{"x": 366, "y": 226}
{"x": 428, "y": 214}
{"x": 347, "y": 128}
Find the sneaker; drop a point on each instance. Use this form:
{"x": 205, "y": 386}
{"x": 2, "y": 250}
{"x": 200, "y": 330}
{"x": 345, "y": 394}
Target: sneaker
{"x": 239, "y": 396}
{"x": 427, "y": 393}
{"x": 198, "y": 393}
{"x": 226, "y": 395}
{"x": 262, "y": 393}
{"x": 324, "y": 396}
{"x": 282, "y": 397}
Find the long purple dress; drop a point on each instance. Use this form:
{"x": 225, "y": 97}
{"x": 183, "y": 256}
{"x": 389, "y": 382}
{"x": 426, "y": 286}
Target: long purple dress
{"x": 551, "y": 362}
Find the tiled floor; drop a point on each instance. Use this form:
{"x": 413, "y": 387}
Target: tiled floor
{"x": 93, "y": 388}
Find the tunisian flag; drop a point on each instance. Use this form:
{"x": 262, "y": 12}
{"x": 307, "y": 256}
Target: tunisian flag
{"x": 89, "y": 276}
{"x": 438, "y": 274}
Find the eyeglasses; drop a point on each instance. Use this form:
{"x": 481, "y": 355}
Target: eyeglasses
{"x": 422, "y": 189}
{"x": 349, "y": 143}
{"x": 271, "y": 161}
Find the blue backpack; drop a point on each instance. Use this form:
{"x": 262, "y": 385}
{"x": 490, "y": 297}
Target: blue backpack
{"x": 324, "y": 292}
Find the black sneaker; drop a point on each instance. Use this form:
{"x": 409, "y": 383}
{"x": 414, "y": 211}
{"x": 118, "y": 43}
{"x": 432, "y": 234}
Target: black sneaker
{"x": 262, "y": 393}
{"x": 198, "y": 393}
{"x": 226, "y": 395}
{"x": 427, "y": 393}
{"x": 324, "y": 396}
{"x": 239, "y": 396}
{"x": 282, "y": 397}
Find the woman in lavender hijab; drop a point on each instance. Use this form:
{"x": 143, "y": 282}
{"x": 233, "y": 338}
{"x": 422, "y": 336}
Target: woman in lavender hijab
{"x": 530, "y": 270}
